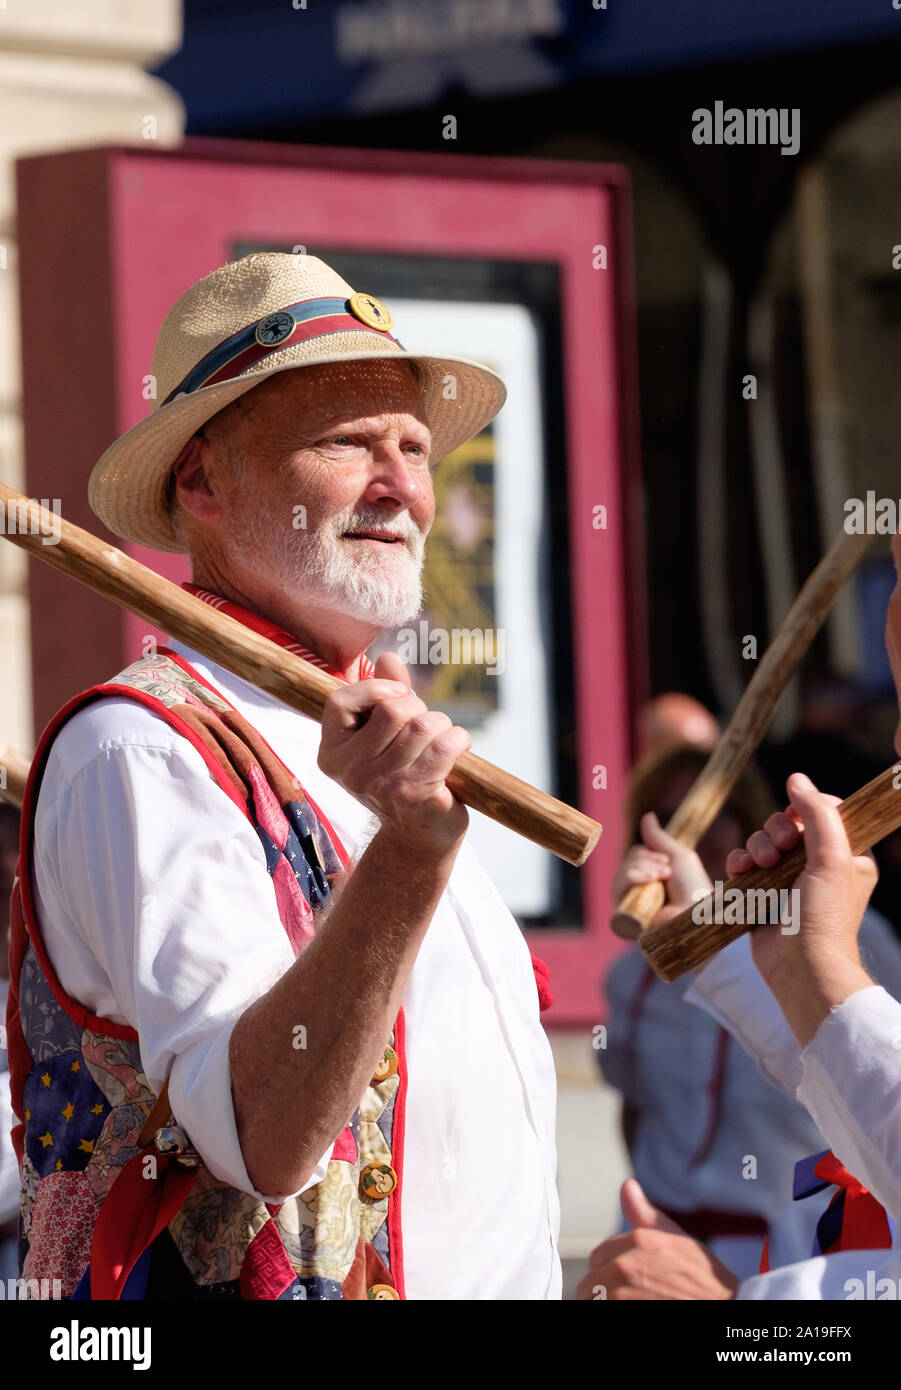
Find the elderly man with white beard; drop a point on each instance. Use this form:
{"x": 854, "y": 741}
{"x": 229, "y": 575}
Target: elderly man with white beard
{"x": 294, "y": 1026}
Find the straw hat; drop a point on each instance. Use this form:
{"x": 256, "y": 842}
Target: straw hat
{"x": 265, "y": 313}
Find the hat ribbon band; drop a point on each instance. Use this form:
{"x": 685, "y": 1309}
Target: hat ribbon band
{"x": 314, "y": 318}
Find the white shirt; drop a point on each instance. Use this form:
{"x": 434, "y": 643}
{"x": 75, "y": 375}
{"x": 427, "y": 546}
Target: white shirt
{"x": 157, "y": 909}
{"x": 849, "y": 1078}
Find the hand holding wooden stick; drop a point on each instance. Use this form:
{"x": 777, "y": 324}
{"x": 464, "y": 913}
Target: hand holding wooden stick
{"x": 109, "y": 571}
{"x": 749, "y": 723}
{"x": 691, "y": 938}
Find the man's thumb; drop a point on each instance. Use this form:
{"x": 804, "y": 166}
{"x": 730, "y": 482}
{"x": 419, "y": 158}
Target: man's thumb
{"x": 638, "y": 1211}
{"x": 655, "y": 837}
{"x": 824, "y": 832}
{"x": 389, "y": 667}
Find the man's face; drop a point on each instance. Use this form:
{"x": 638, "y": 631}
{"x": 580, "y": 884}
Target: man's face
{"x": 893, "y": 632}
{"x": 337, "y": 496}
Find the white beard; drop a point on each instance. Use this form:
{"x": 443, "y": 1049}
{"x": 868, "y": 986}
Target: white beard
{"x": 383, "y": 587}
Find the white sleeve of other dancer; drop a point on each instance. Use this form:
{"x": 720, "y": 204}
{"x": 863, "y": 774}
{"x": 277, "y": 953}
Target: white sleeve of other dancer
{"x": 849, "y": 1274}
{"x": 730, "y": 988}
{"x": 157, "y": 909}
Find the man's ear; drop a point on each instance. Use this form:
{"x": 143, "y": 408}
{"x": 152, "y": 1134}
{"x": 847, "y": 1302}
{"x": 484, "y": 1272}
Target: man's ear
{"x": 188, "y": 453}
{"x": 190, "y": 482}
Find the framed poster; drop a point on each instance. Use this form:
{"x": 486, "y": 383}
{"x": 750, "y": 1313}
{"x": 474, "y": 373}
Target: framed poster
{"x": 529, "y": 635}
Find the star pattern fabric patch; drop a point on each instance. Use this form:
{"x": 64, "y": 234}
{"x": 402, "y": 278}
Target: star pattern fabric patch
{"x": 66, "y": 1111}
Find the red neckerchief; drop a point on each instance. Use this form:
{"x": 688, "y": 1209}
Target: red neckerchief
{"x": 274, "y": 632}
{"x": 854, "y": 1220}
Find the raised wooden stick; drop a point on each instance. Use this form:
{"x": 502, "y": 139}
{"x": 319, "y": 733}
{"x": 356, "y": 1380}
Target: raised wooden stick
{"x": 749, "y": 723}
{"x": 686, "y": 941}
{"x": 505, "y": 798}
{"x": 13, "y": 775}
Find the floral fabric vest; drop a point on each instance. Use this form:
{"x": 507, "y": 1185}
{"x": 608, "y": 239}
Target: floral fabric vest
{"x": 115, "y": 1201}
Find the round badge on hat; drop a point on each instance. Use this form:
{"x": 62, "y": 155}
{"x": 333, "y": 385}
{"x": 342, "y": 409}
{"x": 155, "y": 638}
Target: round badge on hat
{"x": 275, "y": 328}
{"x": 371, "y": 311}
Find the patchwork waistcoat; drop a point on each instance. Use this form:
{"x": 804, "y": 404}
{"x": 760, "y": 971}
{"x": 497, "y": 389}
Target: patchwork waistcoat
{"x": 115, "y": 1202}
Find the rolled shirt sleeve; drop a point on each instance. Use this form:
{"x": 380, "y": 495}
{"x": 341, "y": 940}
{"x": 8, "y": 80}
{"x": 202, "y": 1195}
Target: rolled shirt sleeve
{"x": 730, "y": 988}
{"x": 157, "y": 909}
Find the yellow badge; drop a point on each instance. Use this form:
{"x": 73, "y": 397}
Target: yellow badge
{"x": 377, "y": 1180}
{"x": 371, "y": 311}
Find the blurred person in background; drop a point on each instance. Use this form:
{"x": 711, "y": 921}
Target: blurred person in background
{"x": 712, "y": 1142}
{"x": 825, "y": 742}
{"x": 9, "y": 1168}
{"x": 837, "y": 742}
{"x": 671, "y": 719}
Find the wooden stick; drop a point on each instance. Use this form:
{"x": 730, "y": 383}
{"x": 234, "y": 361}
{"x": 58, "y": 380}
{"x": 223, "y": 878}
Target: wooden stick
{"x": 13, "y": 775}
{"x": 686, "y": 941}
{"x": 749, "y": 723}
{"x": 505, "y": 798}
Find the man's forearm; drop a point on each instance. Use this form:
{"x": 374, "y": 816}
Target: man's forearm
{"x": 807, "y": 990}
{"x": 292, "y": 1101}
